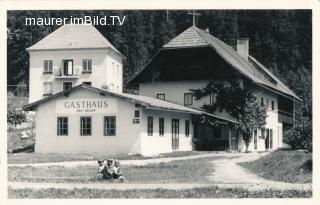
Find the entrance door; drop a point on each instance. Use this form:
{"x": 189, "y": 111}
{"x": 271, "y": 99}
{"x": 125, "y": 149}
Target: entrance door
{"x": 267, "y": 140}
{"x": 175, "y": 134}
{"x": 234, "y": 140}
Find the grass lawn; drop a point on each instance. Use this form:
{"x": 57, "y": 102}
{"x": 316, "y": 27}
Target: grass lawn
{"x": 25, "y": 158}
{"x": 208, "y": 192}
{"x": 180, "y": 171}
{"x": 283, "y": 165}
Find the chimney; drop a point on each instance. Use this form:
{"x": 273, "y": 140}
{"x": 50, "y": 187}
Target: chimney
{"x": 243, "y": 47}
{"x": 207, "y": 30}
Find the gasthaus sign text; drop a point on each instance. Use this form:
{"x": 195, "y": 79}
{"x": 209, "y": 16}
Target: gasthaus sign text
{"x": 86, "y": 106}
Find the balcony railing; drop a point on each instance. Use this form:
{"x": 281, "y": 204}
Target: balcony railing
{"x": 285, "y": 117}
{"x": 59, "y": 74}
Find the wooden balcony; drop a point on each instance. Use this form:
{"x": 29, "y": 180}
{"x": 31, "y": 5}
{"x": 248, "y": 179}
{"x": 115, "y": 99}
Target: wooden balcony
{"x": 285, "y": 117}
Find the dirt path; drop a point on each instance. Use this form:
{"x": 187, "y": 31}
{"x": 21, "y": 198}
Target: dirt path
{"x": 226, "y": 170}
{"x": 127, "y": 162}
{"x": 117, "y": 186}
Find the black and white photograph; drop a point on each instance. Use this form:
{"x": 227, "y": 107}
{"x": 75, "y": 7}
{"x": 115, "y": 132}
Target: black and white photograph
{"x": 159, "y": 103}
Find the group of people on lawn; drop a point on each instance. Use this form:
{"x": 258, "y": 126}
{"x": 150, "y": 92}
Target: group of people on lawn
{"x": 109, "y": 169}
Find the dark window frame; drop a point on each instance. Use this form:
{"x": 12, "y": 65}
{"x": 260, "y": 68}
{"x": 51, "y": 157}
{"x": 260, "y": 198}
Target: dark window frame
{"x": 110, "y": 126}
{"x": 87, "y": 83}
{"x": 62, "y": 131}
{"x": 272, "y": 105}
{"x": 161, "y": 126}
{"x": 45, "y": 64}
{"x": 65, "y": 62}
{"x": 86, "y": 62}
{"x": 82, "y": 133}
{"x": 184, "y": 98}
{"x": 137, "y": 113}
{"x": 63, "y": 85}
{"x": 187, "y": 128}
{"x": 161, "y": 94}
{"x": 150, "y": 125}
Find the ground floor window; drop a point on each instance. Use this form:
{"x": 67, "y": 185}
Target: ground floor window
{"x": 161, "y": 126}
{"x": 62, "y": 126}
{"x": 187, "y": 127}
{"x": 150, "y": 126}
{"x": 85, "y": 125}
{"x": 110, "y": 125}
{"x": 67, "y": 85}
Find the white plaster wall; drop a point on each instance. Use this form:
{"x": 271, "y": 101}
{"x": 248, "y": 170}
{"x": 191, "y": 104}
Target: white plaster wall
{"x": 127, "y": 139}
{"x": 155, "y": 144}
{"x": 100, "y": 70}
{"x": 174, "y": 91}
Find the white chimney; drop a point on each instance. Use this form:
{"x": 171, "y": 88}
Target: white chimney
{"x": 243, "y": 47}
{"x": 207, "y": 30}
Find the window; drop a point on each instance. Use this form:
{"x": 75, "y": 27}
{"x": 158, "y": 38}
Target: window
{"x": 67, "y": 67}
{"x": 137, "y": 113}
{"x": 110, "y": 126}
{"x": 47, "y": 64}
{"x": 188, "y": 99}
{"x": 85, "y": 126}
{"x": 87, "y": 83}
{"x": 272, "y": 105}
{"x": 267, "y": 103}
{"x": 47, "y": 88}
{"x": 150, "y": 126}
{"x": 262, "y": 103}
{"x": 62, "y": 126}
{"x": 86, "y": 65}
{"x": 67, "y": 85}
{"x": 161, "y": 96}
{"x": 187, "y": 127}
{"x": 161, "y": 126}
{"x": 271, "y": 138}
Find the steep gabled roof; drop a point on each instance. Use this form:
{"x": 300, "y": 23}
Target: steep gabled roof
{"x": 195, "y": 37}
{"x": 148, "y": 102}
{"x": 71, "y": 36}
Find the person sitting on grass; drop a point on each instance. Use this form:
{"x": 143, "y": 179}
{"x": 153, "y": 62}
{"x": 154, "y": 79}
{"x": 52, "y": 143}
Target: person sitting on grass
{"x": 101, "y": 167}
{"x": 117, "y": 172}
{"x": 108, "y": 169}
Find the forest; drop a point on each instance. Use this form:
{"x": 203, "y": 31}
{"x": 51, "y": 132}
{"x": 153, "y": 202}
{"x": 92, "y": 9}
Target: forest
{"x": 280, "y": 39}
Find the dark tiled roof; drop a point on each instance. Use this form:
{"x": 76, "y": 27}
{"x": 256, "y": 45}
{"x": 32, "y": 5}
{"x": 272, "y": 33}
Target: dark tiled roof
{"x": 195, "y": 37}
{"x": 149, "y": 102}
{"x": 73, "y": 37}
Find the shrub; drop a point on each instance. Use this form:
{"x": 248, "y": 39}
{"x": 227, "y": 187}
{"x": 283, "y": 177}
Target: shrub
{"x": 300, "y": 135}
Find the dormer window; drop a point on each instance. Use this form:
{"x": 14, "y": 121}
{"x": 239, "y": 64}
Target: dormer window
{"x": 47, "y": 66}
{"x": 86, "y": 65}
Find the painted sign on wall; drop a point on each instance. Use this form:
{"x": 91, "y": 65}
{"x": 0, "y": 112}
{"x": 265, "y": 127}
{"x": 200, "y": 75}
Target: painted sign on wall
{"x": 86, "y": 106}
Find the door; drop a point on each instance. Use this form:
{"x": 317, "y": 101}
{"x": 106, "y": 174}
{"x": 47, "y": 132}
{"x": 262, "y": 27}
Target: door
{"x": 255, "y": 139}
{"x": 267, "y": 141}
{"x": 234, "y": 140}
{"x": 175, "y": 134}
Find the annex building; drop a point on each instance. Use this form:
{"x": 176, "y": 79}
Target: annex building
{"x": 76, "y": 90}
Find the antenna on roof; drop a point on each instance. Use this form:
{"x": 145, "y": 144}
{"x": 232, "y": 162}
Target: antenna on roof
{"x": 194, "y": 14}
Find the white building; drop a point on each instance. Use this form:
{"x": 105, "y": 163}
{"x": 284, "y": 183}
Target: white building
{"x": 70, "y": 56}
{"x": 76, "y": 91}
{"x": 191, "y": 60}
